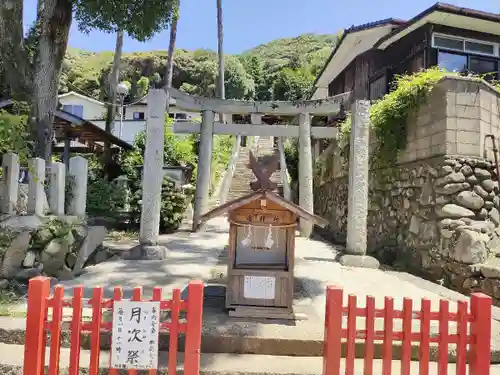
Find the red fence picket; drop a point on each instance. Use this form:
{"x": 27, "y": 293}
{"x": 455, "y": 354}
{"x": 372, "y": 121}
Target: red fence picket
{"x": 38, "y": 326}
{"x": 477, "y": 338}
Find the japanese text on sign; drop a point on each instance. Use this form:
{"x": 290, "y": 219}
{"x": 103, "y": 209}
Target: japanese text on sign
{"x": 135, "y": 335}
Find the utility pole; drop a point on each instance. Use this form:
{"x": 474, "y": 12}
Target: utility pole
{"x": 220, "y": 39}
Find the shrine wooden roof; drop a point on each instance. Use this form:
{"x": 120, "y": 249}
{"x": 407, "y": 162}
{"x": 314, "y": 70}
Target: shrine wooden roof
{"x": 67, "y": 123}
{"x": 242, "y": 201}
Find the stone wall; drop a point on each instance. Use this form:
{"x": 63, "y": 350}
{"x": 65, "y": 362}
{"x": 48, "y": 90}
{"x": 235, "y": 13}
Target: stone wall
{"x": 435, "y": 214}
{"x": 55, "y": 247}
{"x": 33, "y": 244}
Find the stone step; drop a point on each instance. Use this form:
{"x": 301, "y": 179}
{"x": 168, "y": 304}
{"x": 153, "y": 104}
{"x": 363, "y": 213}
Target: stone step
{"x": 222, "y": 341}
{"x": 11, "y": 363}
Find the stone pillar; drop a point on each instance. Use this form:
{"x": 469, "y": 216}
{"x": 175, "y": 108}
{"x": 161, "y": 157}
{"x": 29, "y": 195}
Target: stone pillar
{"x": 255, "y": 119}
{"x": 357, "y": 205}
{"x": 284, "y": 171}
{"x": 306, "y": 200}
{"x": 78, "y": 176}
{"x": 36, "y": 192}
{"x": 204, "y": 167}
{"x": 152, "y": 176}
{"x": 122, "y": 186}
{"x": 57, "y": 188}
{"x": 10, "y": 183}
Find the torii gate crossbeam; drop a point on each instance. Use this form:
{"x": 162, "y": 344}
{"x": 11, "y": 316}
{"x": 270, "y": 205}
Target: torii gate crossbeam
{"x": 301, "y": 109}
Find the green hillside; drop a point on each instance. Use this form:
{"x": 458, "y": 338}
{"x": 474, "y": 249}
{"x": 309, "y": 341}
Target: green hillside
{"x": 280, "y": 69}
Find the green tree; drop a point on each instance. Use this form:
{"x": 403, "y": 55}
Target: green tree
{"x": 292, "y": 84}
{"x": 254, "y": 66}
{"x": 239, "y": 84}
{"x": 142, "y": 87}
{"x": 36, "y": 78}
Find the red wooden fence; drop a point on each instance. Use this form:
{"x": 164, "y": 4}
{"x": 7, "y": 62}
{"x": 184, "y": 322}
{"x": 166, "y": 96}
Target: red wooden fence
{"x": 478, "y": 338}
{"x": 37, "y": 326}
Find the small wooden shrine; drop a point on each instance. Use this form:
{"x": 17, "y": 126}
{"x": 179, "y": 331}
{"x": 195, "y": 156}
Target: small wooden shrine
{"x": 260, "y": 266}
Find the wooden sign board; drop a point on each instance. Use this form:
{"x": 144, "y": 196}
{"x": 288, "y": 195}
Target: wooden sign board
{"x": 136, "y": 327}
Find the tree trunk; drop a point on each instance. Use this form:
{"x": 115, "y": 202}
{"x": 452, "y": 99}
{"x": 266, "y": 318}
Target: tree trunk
{"x": 169, "y": 69}
{"x": 54, "y": 22}
{"x": 113, "y": 83}
{"x": 112, "y": 87}
{"x": 13, "y": 55}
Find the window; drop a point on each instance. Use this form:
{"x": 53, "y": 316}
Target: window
{"x": 482, "y": 48}
{"x": 486, "y": 67}
{"x": 138, "y": 115}
{"x": 465, "y": 45}
{"x": 448, "y": 43}
{"x": 170, "y": 115}
{"x": 74, "y": 109}
{"x": 180, "y": 116}
{"x": 452, "y": 62}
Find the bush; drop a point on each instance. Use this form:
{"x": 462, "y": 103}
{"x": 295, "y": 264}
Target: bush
{"x": 178, "y": 151}
{"x": 14, "y": 135}
{"x": 105, "y": 197}
{"x": 292, "y": 159}
{"x": 173, "y": 205}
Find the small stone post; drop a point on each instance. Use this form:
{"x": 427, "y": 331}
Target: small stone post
{"x": 36, "y": 192}
{"x": 10, "y": 182}
{"x": 78, "y": 173}
{"x": 57, "y": 188}
{"x": 306, "y": 200}
{"x": 357, "y": 204}
{"x": 204, "y": 166}
{"x": 152, "y": 177}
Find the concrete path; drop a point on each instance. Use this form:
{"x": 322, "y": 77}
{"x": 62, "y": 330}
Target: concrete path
{"x": 11, "y": 363}
{"x": 192, "y": 256}
{"x": 202, "y": 256}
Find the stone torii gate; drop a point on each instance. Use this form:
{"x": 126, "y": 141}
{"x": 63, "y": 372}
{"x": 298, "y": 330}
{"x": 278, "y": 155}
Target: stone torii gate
{"x": 303, "y": 110}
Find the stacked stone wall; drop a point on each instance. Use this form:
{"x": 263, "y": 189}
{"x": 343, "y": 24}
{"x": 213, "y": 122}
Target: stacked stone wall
{"x": 438, "y": 219}
{"x": 436, "y": 213}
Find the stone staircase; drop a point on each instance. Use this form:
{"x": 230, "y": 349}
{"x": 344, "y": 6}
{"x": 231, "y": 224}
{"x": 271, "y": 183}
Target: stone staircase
{"x": 240, "y": 184}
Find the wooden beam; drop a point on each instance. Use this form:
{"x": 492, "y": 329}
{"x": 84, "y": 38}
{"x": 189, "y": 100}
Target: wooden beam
{"x": 327, "y": 106}
{"x": 290, "y": 131}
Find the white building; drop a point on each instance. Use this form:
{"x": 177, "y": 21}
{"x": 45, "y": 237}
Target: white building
{"x": 134, "y": 115}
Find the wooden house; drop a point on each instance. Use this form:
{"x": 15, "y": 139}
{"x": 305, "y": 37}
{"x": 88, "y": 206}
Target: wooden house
{"x": 261, "y": 254}
{"x": 367, "y": 57}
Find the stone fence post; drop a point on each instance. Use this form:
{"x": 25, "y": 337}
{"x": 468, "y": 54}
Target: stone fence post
{"x": 57, "y": 188}
{"x": 357, "y": 204}
{"x": 36, "y": 191}
{"x": 10, "y": 183}
{"x": 78, "y": 173}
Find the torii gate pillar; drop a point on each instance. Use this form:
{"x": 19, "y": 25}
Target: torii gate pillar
{"x": 152, "y": 177}
{"x": 204, "y": 167}
{"x": 306, "y": 200}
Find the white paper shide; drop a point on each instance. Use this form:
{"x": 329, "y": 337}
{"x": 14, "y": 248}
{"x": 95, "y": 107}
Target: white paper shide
{"x": 136, "y": 328}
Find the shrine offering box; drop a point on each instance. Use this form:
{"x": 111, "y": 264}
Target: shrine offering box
{"x": 261, "y": 254}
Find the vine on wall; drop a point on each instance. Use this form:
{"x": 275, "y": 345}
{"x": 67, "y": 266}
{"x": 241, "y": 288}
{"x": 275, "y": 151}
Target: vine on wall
{"x": 389, "y": 115}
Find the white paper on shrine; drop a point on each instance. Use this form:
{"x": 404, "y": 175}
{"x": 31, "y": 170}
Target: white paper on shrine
{"x": 259, "y": 287}
{"x": 134, "y": 343}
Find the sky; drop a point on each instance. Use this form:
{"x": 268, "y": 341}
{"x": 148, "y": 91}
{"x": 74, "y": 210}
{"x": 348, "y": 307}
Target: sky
{"x": 248, "y": 23}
